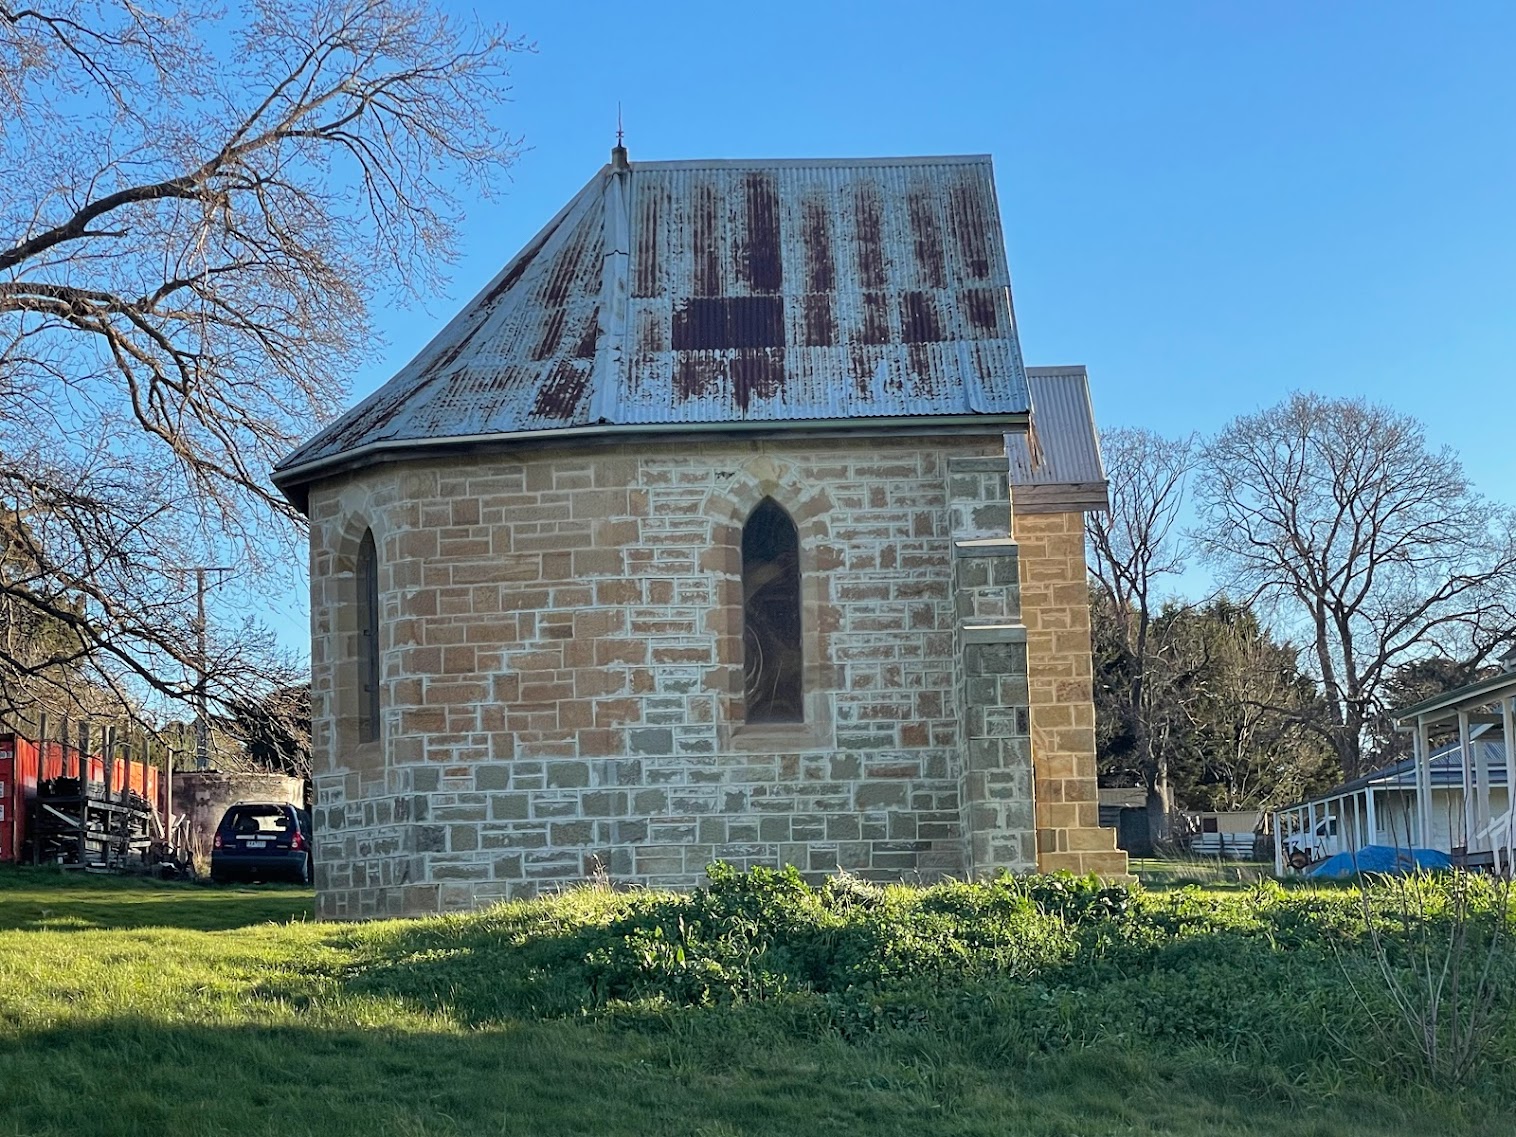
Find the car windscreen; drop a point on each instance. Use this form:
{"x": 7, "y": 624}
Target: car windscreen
{"x": 267, "y": 820}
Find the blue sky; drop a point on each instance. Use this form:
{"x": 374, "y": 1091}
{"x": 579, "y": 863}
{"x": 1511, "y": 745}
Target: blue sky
{"x": 1207, "y": 204}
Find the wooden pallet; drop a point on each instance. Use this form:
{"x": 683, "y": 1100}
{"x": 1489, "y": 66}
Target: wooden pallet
{"x": 86, "y": 827}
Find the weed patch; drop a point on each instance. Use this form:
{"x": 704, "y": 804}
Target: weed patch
{"x": 760, "y": 1005}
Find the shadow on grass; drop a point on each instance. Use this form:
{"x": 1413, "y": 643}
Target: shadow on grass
{"x": 132, "y": 1076}
{"x": 55, "y": 900}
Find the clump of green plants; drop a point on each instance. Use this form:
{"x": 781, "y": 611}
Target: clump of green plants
{"x": 766, "y": 933}
{"x": 1292, "y": 978}
{"x": 1432, "y": 987}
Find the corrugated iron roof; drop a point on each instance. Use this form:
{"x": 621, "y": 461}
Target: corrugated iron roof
{"x": 723, "y": 293}
{"x": 1447, "y": 704}
{"x": 1056, "y": 465}
{"x": 1445, "y": 765}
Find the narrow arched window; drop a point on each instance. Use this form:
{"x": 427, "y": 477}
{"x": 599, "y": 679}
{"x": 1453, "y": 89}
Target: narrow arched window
{"x": 772, "y": 663}
{"x": 368, "y": 639}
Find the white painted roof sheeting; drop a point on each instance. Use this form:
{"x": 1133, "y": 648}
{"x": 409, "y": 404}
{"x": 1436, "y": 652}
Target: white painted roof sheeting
{"x": 739, "y": 293}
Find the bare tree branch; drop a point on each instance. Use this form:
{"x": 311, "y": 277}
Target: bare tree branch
{"x": 188, "y": 261}
{"x": 1132, "y": 548}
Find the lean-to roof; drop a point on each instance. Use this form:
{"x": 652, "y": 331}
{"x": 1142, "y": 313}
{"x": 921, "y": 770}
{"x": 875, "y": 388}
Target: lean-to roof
{"x": 1445, "y": 764}
{"x": 1056, "y": 466}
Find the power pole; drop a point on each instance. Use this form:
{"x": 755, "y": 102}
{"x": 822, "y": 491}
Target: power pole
{"x": 202, "y": 663}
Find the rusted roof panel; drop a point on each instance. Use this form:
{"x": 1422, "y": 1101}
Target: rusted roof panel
{"x": 742, "y": 292}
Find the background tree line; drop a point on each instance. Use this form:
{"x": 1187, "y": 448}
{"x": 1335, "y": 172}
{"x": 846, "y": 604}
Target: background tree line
{"x": 1358, "y": 571}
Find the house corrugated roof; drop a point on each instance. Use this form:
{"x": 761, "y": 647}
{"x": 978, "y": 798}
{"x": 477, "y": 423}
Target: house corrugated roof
{"x": 1447, "y": 704}
{"x": 730, "y": 293}
{"x": 1445, "y": 765}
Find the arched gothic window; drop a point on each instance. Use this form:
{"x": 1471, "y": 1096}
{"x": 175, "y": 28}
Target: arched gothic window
{"x": 772, "y": 661}
{"x": 368, "y": 638}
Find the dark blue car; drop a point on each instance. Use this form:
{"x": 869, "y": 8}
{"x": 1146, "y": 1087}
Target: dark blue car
{"x": 262, "y": 840}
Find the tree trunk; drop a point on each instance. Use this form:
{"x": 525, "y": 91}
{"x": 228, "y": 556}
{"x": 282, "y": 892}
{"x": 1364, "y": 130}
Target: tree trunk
{"x": 1160, "y": 796}
{"x": 1348, "y": 742}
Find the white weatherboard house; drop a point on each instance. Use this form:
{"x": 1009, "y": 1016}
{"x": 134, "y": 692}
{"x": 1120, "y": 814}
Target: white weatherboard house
{"x": 695, "y": 536}
{"x": 1452, "y": 794}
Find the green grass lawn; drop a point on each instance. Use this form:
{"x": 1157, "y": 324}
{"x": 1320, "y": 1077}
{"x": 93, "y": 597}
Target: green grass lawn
{"x": 130, "y": 1007}
{"x": 1208, "y": 872}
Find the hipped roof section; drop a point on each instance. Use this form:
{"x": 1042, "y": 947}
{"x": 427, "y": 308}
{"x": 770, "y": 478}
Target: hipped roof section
{"x": 721, "y": 295}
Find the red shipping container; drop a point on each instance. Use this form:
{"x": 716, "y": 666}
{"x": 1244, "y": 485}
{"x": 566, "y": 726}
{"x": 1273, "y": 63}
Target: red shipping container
{"x": 24, "y": 763}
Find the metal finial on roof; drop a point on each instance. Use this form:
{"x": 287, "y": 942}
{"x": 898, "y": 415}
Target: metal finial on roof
{"x": 618, "y": 152}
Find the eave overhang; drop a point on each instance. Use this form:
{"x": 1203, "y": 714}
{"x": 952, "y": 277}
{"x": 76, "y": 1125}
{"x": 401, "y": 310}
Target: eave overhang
{"x": 294, "y": 481}
{"x": 1448, "y": 704}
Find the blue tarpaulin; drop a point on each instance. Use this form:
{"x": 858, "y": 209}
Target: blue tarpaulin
{"x": 1379, "y": 858}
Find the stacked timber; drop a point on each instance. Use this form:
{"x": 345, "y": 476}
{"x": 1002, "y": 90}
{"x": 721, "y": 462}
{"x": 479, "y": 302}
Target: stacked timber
{"x": 82, "y": 823}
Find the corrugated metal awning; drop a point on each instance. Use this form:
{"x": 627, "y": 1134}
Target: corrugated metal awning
{"x": 1056, "y": 466}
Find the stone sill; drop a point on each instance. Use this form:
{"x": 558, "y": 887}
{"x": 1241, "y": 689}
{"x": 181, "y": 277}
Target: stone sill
{"x": 781, "y": 737}
{"x": 986, "y": 547}
{"x": 992, "y": 634}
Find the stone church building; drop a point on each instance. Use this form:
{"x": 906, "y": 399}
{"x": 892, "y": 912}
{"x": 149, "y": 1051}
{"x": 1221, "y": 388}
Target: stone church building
{"x": 726, "y": 523}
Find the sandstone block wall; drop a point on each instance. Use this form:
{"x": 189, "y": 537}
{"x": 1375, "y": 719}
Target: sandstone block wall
{"x": 1055, "y": 608}
{"x": 561, "y": 660}
{"x": 995, "y": 760}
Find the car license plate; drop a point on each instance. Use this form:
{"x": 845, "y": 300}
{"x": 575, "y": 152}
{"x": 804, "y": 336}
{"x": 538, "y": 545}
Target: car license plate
{"x": 254, "y": 844}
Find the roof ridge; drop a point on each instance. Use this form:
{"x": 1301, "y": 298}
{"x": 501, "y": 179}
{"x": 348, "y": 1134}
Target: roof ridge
{"x": 615, "y": 290}
{"x": 739, "y": 294}
{"x": 802, "y": 163}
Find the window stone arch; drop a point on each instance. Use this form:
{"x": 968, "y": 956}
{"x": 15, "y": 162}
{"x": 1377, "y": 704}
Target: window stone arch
{"x": 769, "y": 476}
{"x": 349, "y": 585}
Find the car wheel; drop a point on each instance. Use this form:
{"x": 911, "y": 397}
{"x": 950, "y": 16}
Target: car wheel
{"x": 1299, "y": 860}
{"x": 303, "y": 876}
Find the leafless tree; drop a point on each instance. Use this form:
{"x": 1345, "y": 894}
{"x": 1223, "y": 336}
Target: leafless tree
{"x": 1375, "y": 547}
{"x": 1133, "y": 548}
{"x": 197, "y": 213}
